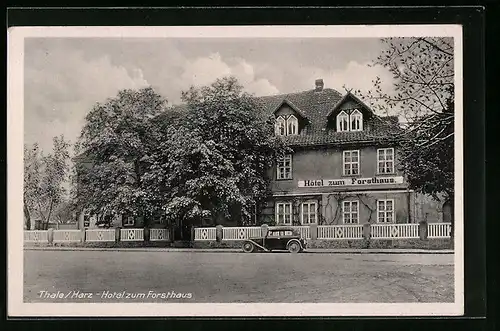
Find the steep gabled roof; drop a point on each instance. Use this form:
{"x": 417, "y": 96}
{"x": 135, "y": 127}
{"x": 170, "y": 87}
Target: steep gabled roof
{"x": 318, "y": 106}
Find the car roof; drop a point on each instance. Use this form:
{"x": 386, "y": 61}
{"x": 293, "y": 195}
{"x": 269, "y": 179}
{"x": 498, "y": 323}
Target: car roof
{"x": 282, "y": 228}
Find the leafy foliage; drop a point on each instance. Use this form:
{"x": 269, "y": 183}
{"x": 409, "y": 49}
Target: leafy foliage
{"x": 208, "y": 160}
{"x": 114, "y": 140}
{"x": 428, "y": 154}
{"x": 215, "y": 165}
{"x": 423, "y": 96}
{"x": 44, "y": 178}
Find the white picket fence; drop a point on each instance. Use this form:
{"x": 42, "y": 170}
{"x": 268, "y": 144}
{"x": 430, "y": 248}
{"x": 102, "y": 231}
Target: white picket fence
{"x": 100, "y": 235}
{"x": 205, "y": 234}
{"x": 240, "y": 233}
{"x": 159, "y": 235}
{"x": 391, "y": 231}
{"x": 340, "y": 232}
{"x": 304, "y": 231}
{"x": 67, "y": 236}
{"x": 131, "y": 234}
{"x": 36, "y": 236}
{"x": 438, "y": 230}
{"x": 325, "y": 232}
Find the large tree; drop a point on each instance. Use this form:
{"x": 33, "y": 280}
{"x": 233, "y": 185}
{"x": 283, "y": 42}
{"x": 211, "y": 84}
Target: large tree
{"x": 113, "y": 142}
{"x": 32, "y": 189}
{"x": 215, "y": 165}
{"x": 45, "y": 176}
{"x": 423, "y": 97}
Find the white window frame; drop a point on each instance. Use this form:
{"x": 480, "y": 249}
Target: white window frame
{"x": 281, "y": 167}
{"x": 127, "y": 222}
{"x": 280, "y": 120}
{"x": 356, "y": 115}
{"x": 350, "y": 163}
{"x": 277, "y": 213}
{"x": 294, "y": 122}
{"x": 385, "y": 212}
{"x": 342, "y": 115}
{"x": 382, "y": 164}
{"x": 309, "y": 205}
{"x": 350, "y": 213}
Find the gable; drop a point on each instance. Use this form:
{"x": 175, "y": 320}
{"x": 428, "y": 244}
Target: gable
{"x": 287, "y": 108}
{"x": 348, "y": 104}
{"x": 285, "y": 111}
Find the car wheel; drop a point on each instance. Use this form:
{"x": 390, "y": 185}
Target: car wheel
{"x": 248, "y": 247}
{"x": 294, "y": 247}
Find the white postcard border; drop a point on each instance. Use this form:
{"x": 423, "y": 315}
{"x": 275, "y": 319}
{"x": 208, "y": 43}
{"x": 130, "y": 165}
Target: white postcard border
{"x": 15, "y": 114}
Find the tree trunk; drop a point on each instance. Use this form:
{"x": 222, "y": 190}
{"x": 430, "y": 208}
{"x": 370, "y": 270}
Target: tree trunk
{"x": 28, "y": 217}
{"x": 47, "y": 221}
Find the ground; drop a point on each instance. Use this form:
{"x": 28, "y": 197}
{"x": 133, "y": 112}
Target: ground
{"x": 104, "y": 276}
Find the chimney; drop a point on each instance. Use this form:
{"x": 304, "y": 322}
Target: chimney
{"x": 319, "y": 85}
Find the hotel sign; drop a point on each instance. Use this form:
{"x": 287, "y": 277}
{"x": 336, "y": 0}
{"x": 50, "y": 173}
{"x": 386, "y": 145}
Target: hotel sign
{"x": 354, "y": 181}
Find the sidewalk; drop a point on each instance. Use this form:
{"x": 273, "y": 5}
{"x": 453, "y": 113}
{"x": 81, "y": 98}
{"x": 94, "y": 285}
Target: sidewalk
{"x": 236, "y": 250}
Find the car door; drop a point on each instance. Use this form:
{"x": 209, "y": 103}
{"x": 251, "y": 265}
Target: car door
{"x": 285, "y": 238}
{"x": 273, "y": 240}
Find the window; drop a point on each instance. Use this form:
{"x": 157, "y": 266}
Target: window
{"x": 284, "y": 167}
{"x": 289, "y": 126}
{"x": 385, "y": 157}
{"x": 292, "y": 125}
{"x": 385, "y": 211}
{"x": 128, "y": 220}
{"x": 342, "y": 122}
{"x": 350, "y": 212}
{"x": 351, "y": 163}
{"x": 284, "y": 213}
{"x": 280, "y": 126}
{"x": 356, "y": 121}
{"x": 353, "y": 122}
{"x": 309, "y": 212}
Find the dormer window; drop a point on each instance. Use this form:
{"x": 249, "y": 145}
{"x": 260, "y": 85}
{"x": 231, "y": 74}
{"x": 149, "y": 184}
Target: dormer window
{"x": 292, "y": 125}
{"x": 288, "y": 126}
{"x": 280, "y": 126}
{"x": 342, "y": 122}
{"x": 356, "y": 121}
{"x": 352, "y": 122}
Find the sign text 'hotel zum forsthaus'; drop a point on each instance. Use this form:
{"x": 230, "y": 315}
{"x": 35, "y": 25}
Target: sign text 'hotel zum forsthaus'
{"x": 350, "y": 181}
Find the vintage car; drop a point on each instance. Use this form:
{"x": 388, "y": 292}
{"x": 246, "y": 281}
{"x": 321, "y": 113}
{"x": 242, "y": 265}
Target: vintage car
{"x": 276, "y": 239}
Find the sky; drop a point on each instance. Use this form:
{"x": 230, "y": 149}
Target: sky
{"x": 65, "y": 77}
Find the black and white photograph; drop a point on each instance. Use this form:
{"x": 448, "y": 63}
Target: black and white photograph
{"x": 245, "y": 171}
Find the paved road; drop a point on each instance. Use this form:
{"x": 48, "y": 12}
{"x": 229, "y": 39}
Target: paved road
{"x": 110, "y": 276}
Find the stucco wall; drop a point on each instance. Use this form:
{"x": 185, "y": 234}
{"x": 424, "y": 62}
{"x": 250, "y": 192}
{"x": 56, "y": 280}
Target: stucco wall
{"x": 330, "y": 207}
{"x": 326, "y": 163}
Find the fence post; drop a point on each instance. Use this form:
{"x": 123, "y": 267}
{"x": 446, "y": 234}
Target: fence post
{"x": 367, "y": 231}
{"x": 218, "y": 233}
{"x": 422, "y": 230}
{"x": 263, "y": 230}
{"x": 192, "y": 233}
{"x": 147, "y": 234}
{"x": 313, "y": 231}
{"x": 82, "y": 237}
{"x": 50, "y": 236}
{"x": 118, "y": 234}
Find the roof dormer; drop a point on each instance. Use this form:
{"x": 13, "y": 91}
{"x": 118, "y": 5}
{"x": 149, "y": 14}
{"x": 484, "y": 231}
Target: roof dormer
{"x": 349, "y": 114}
{"x": 290, "y": 120}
